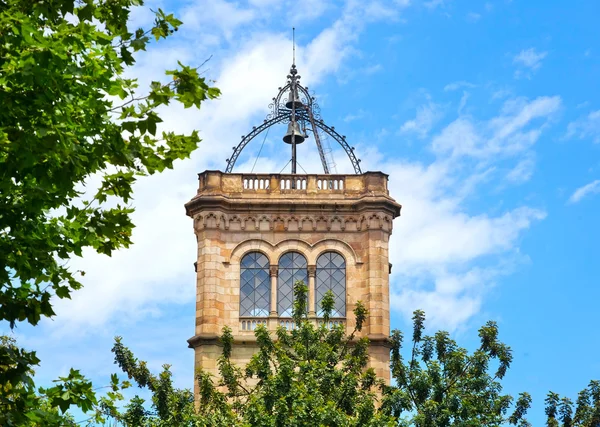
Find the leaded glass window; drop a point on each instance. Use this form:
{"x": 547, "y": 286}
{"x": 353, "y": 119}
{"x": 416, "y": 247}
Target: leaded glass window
{"x": 292, "y": 267}
{"x": 255, "y": 285}
{"x": 331, "y": 275}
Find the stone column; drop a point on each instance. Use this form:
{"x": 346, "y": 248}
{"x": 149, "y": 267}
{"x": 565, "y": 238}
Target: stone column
{"x": 312, "y": 272}
{"x": 274, "y": 272}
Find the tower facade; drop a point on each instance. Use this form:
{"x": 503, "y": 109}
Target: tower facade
{"x": 259, "y": 233}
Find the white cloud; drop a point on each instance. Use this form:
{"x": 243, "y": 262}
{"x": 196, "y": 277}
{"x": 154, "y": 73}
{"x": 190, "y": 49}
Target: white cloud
{"x": 523, "y": 171}
{"x": 311, "y": 9}
{"x": 372, "y": 69}
{"x": 439, "y": 231}
{"x": 587, "y": 127}
{"x": 457, "y": 85}
{"x": 445, "y": 311}
{"x": 220, "y": 21}
{"x": 219, "y": 15}
{"x": 426, "y": 117}
{"x": 473, "y": 17}
{"x": 446, "y": 259}
{"x": 584, "y": 191}
{"x": 509, "y": 133}
{"x": 463, "y": 102}
{"x": 529, "y": 60}
{"x": 501, "y": 94}
{"x": 335, "y": 44}
{"x": 360, "y": 114}
{"x": 432, "y": 4}
{"x": 143, "y": 17}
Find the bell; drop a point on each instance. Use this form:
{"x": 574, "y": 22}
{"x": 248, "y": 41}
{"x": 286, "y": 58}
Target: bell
{"x": 293, "y": 130}
{"x": 294, "y": 101}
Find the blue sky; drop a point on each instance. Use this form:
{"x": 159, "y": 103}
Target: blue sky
{"x": 486, "y": 115}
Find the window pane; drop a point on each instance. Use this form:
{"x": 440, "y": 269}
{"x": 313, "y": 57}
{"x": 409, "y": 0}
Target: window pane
{"x": 331, "y": 275}
{"x": 255, "y": 285}
{"x": 285, "y": 261}
{"x": 323, "y": 260}
{"x": 337, "y": 261}
{"x": 292, "y": 267}
{"x": 262, "y": 261}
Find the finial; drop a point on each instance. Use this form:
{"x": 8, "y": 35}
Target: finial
{"x": 294, "y": 45}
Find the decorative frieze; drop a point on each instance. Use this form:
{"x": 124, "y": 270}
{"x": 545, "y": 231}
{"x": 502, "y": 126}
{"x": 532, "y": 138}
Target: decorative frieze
{"x": 278, "y": 222}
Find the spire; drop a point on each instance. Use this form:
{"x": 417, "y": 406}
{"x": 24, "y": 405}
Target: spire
{"x": 294, "y": 47}
{"x": 294, "y": 134}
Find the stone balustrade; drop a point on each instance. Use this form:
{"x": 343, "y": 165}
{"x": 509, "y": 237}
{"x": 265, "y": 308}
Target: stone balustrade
{"x": 284, "y": 185}
{"x": 249, "y": 324}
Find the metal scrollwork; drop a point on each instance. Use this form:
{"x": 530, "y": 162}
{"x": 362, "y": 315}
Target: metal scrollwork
{"x": 309, "y": 115}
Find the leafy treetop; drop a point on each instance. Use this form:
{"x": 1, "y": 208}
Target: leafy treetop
{"x": 307, "y": 376}
{"x": 69, "y": 114}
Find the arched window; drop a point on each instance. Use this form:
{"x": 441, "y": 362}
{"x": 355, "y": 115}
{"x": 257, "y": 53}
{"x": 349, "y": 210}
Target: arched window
{"x": 255, "y": 285}
{"x": 331, "y": 275}
{"x": 292, "y": 267}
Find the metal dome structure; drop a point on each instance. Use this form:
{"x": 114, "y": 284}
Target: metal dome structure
{"x": 297, "y": 107}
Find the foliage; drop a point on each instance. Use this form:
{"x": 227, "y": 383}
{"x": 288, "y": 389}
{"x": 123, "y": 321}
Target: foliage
{"x": 318, "y": 376}
{"x": 445, "y": 385}
{"x": 309, "y": 375}
{"x": 559, "y": 411}
{"x": 22, "y": 405}
{"x": 69, "y": 116}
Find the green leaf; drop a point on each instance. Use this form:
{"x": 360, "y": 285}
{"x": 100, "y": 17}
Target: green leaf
{"x": 86, "y": 13}
{"x": 129, "y": 126}
{"x": 58, "y": 131}
{"x": 63, "y": 292}
{"x": 116, "y": 89}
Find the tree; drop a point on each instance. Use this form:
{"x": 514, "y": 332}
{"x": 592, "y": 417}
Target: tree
{"x": 316, "y": 375}
{"x": 22, "y": 404}
{"x": 307, "y": 376}
{"x": 559, "y": 411}
{"x": 68, "y": 115}
{"x": 445, "y": 385}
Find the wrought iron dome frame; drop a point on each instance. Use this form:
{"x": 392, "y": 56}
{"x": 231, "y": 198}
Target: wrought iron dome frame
{"x": 309, "y": 116}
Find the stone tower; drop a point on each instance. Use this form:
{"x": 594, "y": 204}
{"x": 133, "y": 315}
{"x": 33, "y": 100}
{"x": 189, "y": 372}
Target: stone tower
{"x": 259, "y": 233}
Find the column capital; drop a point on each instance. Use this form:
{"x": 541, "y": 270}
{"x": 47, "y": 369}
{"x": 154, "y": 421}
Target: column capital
{"x": 273, "y": 270}
{"x": 312, "y": 270}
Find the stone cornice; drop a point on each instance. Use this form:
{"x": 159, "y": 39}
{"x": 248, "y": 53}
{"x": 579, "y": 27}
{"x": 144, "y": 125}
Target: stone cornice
{"x": 250, "y": 340}
{"x": 298, "y": 204}
{"x": 308, "y": 193}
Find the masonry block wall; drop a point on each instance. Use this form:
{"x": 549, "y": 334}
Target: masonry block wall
{"x": 235, "y": 214}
